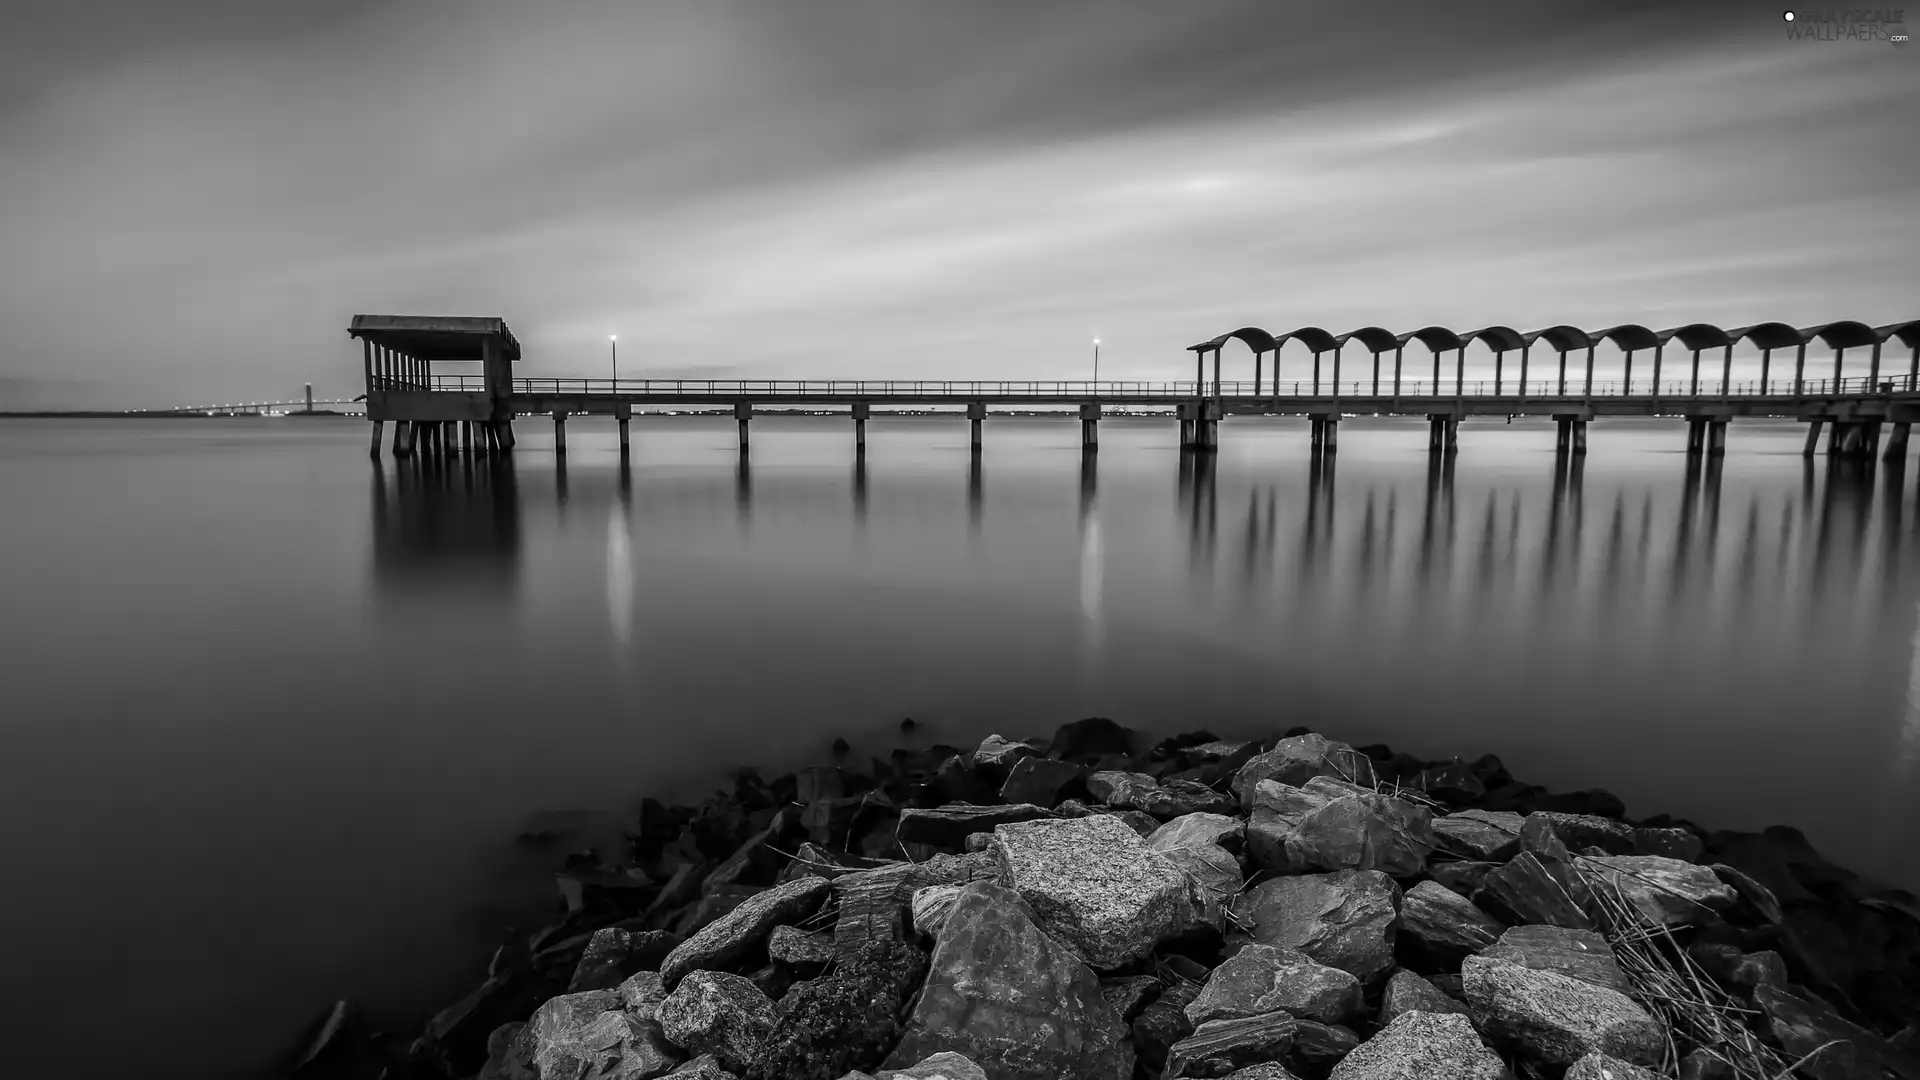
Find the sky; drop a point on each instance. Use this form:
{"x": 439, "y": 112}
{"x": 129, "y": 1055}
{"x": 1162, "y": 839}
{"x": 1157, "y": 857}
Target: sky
{"x": 197, "y": 196}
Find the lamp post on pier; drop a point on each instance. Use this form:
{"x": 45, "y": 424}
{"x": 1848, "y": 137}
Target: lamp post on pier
{"x": 613, "y": 345}
{"x": 1096, "y": 365}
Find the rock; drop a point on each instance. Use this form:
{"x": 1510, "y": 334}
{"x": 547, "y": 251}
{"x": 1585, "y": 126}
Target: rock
{"x": 1673, "y": 843}
{"x": 1122, "y": 789}
{"x": 945, "y": 1065}
{"x": 1594, "y": 802}
{"x": 1557, "y": 1019}
{"x": 1193, "y": 830}
{"x": 1164, "y": 800}
{"x": 1163, "y": 1023}
{"x": 1527, "y": 890}
{"x": 957, "y": 781}
{"x": 1582, "y": 954}
{"x": 1129, "y": 994}
{"x": 1801, "y": 1025}
{"x": 1755, "y": 901}
{"x": 1142, "y": 823}
{"x": 996, "y": 755}
{"x": 1464, "y": 878}
{"x": 1422, "y": 1046}
{"x": 1665, "y": 891}
{"x": 1344, "y": 919}
{"x": 792, "y": 945}
{"x": 592, "y": 1034}
{"x": 873, "y": 904}
{"x": 1488, "y": 835}
{"x": 931, "y": 906}
{"x": 1094, "y": 884}
{"x": 848, "y": 1019}
{"x": 1264, "y": 978}
{"x": 1090, "y": 738}
{"x": 641, "y": 991}
{"x": 1214, "y": 878}
{"x": 712, "y": 1012}
{"x": 1012, "y": 998}
{"x": 1444, "y": 927}
{"x": 732, "y": 936}
{"x": 1296, "y": 760}
{"x": 704, "y": 1067}
{"x": 1040, "y": 780}
{"x": 1454, "y": 783}
{"x": 711, "y": 907}
{"x": 1266, "y": 1070}
{"x": 1332, "y": 825}
{"x": 949, "y": 826}
{"x": 1582, "y": 831}
{"x": 1537, "y": 836}
{"x": 1219, "y": 1047}
{"x": 1211, "y": 762}
{"x": 1601, "y": 1067}
{"x": 811, "y": 860}
{"x": 1450, "y": 986}
{"x": 613, "y": 954}
{"x": 1407, "y": 992}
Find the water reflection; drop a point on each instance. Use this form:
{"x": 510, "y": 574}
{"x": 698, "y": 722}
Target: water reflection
{"x": 445, "y": 527}
{"x": 1092, "y": 565}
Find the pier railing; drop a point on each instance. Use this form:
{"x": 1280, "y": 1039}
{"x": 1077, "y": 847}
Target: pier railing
{"x": 899, "y": 389}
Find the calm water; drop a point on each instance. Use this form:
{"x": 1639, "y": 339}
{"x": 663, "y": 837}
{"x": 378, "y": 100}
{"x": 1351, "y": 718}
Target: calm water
{"x": 273, "y": 712}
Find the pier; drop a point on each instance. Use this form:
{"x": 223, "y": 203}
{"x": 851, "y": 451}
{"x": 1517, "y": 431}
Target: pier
{"x": 447, "y": 385}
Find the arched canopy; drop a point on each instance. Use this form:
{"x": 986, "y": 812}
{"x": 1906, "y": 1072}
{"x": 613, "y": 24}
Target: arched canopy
{"x": 1908, "y": 332}
{"x": 1843, "y": 335}
{"x": 1312, "y": 337}
{"x": 1373, "y": 337}
{"x": 1498, "y": 338}
{"x": 1768, "y": 335}
{"x": 1696, "y": 336}
{"x": 1560, "y": 337}
{"x": 1437, "y": 338}
{"x": 1257, "y": 339}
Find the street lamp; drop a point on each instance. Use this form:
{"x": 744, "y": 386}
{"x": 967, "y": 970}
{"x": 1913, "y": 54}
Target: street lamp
{"x": 1096, "y": 360}
{"x": 613, "y": 344}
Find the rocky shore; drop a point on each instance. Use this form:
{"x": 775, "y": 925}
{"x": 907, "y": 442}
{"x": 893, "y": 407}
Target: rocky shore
{"x": 1085, "y": 908}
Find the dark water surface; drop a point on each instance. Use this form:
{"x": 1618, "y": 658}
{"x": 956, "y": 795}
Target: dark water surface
{"x": 273, "y": 713}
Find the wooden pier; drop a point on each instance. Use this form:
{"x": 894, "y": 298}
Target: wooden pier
{"x": 447, "y": 385}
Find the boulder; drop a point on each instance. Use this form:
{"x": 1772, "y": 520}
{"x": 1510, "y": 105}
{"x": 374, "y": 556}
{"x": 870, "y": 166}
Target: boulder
{"x": 1529, "y": 890}
{"x": 1674, "y": 843}
{"x": 1330, "y": 824}
{"x": 1741, "y": 973}
{"x": 733, "y": 935}
{"x": 996, "y": 756}
{"x": 1163, "y": 800}
{"x": 1193, "y": 830}
{"x": 949, "y": 826}
{"x": 1407, "y": 992}
{"x": 713, "y": 1012}
{"x": 945, "y": 1065}
{"x": 1582, "y": 954}
{"x": 1142, "y": 823}
{"x": 641, "y": 991}
{"x": 1665, "y": 891}
{"x": 792, "y": 945}
{"x": 1213, "y": 879}
{"x": 1488, "y": 835}
{"x": 1128, "y": 994}
{"x": 1602, "y": 1067}
{"x": 1444, "y": 927}
{"x": 1266, "y": 1070}
{"x": 592, "y": 1034}
{"x": 811, "y": 860}
{"x": 1219, "y": 1047}
{"x": 1801, "y": 1025}
{"x": 1582, "y": 831}
{"x": 931, "y": 906}
{"x": 1756, "y": 905}
{"x": 1422, "y": 1046}
{"x": 1454, "y": 783}
{"x": 957, "y": 781}
{"x": 1094, "y": 884}
{"x": 1556, "y": 1019}
{"x": 1462, "y": 877}
{"x": 1265, "y": 978}
{"x": 1296, "y": 760}
{"x": 849, "y": 1018}
{"x": 1011, "y": 998}
{"x": 1040, "y": 780}
{"x": 1345, "y": 919}
{"x": 1211, "y": 762}
{"x": 1123, "y": 789}
{"x": 613, "y": 954}
{"x": 704, "y": 1067}
{"x": 1089, "y": 739}
{"x": 1538, "y": 837}
{"x": 1163, "y": 1023}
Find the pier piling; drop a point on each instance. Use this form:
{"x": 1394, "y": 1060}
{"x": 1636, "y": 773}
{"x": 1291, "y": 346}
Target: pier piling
{"x": 559, "y": 431}
{"x": 1897, "y": 443}
{"x": 861, "y": 411}
{"x": 976, "y": 414}
{"x": 742, "y": 413}
{"x": 377, "y": 425}
{"x": 1090, "y": 426}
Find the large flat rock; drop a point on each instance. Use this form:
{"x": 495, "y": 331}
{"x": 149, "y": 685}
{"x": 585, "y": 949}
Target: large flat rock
{"x": 1345, "y": 919}
{"x": 1665, "y": 891}
{"x": 1556, "y": 1019}
{"x": 1094, "y": 883}
{"x": 1486, "y": 835}
{"x": 1443, "y": 926}
{"x": 1583, "y": 954}
{"x": 733, "y": 935}
{"x": 1265, "y": 978}
{"x": 1296, "y": 760}
{"x": 1422, "y": 1046}
{"x": 1012, "y": 999}
{"x": 1220, "y": 1047}
{"x": 1329, "y": 824}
